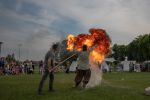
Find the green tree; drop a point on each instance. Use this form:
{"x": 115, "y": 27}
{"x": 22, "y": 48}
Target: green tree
{"x": 120, "y": 51}
{"x": 139, "y": 48}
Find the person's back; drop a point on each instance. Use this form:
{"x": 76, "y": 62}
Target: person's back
{"x": 83, "y": 60}
{"x": 83, "y": 69}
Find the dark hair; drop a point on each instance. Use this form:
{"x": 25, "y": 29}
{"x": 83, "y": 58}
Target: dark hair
{"x": 54, "y": 46}
{"x": 84, "y": 47}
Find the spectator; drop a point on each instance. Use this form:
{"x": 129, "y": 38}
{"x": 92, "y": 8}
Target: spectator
{"x": 67, "y": 67}
{"x": 2, "y": 66}
{"x": 41, "y": 67}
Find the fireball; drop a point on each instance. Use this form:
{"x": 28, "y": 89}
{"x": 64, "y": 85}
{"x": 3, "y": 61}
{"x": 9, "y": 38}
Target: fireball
{"x": 97, "y": 37}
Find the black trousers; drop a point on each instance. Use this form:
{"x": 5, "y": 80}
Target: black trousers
{"x": 51, "y": 80}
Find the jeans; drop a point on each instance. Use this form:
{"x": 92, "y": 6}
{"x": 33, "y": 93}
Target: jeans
{"x": 51, "y": 80}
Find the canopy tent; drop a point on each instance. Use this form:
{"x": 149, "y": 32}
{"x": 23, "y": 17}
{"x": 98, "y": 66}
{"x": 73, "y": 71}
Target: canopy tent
{"x": 106, "y": 66}
{"x": 110, "y": 59}
{"x": 126, "y": 65}
{"x": 73, "y": 66}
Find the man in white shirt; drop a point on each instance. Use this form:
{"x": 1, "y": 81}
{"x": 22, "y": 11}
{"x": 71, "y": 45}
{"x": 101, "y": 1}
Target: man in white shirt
{"x": 83, "y": 68}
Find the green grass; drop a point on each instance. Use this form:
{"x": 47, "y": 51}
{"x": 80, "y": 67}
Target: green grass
{"x": 115, "y": 86}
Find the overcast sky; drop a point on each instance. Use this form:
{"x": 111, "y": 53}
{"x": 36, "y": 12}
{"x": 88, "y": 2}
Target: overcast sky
{"x": 36, "y": 24}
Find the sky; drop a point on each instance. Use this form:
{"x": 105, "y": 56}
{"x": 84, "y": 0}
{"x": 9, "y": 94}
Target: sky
{"x": 36, "y": 24}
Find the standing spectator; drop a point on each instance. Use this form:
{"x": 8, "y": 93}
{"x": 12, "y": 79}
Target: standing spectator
{"x": 41, "y": 67}
{"x": 33, "y": 66}
{"x": 25, "y": 67}
{"x": 22, "y": 68}
{"x": 30, "y": 69}
{"x": 67, "y": 67}
{"x": 2, "y": 66}
{"x": 131, "y": 67}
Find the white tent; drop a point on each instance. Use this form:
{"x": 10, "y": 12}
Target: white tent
{"x": 105, "y": 66}
{"x": 73, "y": 66}
{"x": 126, "y": 65}
{"x": 110, "y": 59}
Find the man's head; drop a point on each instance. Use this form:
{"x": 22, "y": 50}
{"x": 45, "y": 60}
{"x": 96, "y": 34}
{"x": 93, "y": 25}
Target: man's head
{"x": 84, "y": 48}
{"x": 55, "y": 47}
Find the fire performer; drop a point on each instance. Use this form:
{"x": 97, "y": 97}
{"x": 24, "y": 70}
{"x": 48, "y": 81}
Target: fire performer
{"x": 83, "y": 68}
{"x": 49, "y": 63}
{"x": 97, "y": 37}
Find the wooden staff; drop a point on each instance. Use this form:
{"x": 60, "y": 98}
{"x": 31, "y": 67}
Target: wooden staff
{"x": 61, "y": 62}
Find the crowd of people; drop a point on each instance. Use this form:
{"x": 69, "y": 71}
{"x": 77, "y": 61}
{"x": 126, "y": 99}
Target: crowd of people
{"x": 15, "y": 67}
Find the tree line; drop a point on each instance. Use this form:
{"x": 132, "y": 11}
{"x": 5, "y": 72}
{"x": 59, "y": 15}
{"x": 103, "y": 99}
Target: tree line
{"x": 138, "y": 49}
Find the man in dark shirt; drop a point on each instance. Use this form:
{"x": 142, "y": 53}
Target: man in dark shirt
{"x": 49, "y": 63}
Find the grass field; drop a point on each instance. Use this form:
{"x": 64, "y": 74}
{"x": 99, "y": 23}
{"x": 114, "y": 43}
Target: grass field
{"x": 115, "y": 86}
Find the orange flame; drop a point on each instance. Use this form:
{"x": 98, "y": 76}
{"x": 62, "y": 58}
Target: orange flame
{"x": 96, "y": 37}
{"x": 70, "y": 43}
{"x": 98, "y": 57}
